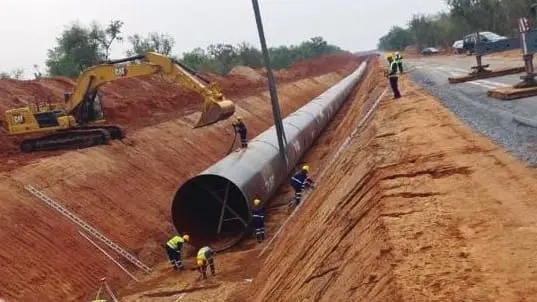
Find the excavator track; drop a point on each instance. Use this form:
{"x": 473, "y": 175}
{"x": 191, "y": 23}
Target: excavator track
{"x": 78, "y": 138}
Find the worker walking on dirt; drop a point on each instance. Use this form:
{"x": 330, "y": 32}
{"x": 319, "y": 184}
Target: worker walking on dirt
{"x": 173, "y": 249}
{"x": 204, "y": 259}
{"x": 394, "y": 78}
{"x": 399, "y": 61}
{"x": 240, "y": 129}
{"x": 299, "y": 182}
{"x": 258, "y": 220}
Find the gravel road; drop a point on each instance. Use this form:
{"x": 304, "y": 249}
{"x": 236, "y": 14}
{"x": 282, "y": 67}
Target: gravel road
{"x": 499, "y": 120}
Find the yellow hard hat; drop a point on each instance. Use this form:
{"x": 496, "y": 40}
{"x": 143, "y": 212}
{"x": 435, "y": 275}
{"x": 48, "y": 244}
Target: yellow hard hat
{"x": 200, "y": 262}
{"x": 186, "y": 238}
{"x": 306, "y": 168}
{"x": 257, "y": 202}
{"x": 239, "y": 118}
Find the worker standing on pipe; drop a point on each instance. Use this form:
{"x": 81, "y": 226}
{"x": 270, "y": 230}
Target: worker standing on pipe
{"x": 258, "y": 220}
{"x": 173, "y": 248}
{"x": 399, "y": 61}
{"x": 240, "y": 129}
{"x": 204, "y": 259}
{"x": 394, "y": 78}
{"x": 299, "y": 182}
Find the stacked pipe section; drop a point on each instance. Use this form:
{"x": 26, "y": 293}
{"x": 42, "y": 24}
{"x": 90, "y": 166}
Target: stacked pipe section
{"x": 214, "y": 208}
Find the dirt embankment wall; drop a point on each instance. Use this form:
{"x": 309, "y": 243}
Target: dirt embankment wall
{"x": 417, "y": 208}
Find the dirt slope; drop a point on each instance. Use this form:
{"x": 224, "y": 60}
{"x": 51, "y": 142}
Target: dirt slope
{"x": 123, "y": 190}
{"x": 418, "y": 208}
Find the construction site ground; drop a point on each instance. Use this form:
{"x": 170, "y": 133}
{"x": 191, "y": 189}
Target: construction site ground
{"x": 412, "y": 206}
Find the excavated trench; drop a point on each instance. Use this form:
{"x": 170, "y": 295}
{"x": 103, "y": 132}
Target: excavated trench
{"x": 136, "y": 180}
{"x": 214, "y": 207}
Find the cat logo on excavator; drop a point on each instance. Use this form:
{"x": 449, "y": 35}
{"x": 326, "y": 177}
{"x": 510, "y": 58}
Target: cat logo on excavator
{"x": 18, "y": 119}
{"x": 120, "y": 70}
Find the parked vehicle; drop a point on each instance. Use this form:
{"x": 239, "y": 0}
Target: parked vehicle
{"x": 458, "y": 47}
{"x": 429, "y": 51}
{"x": 470, "y": 40}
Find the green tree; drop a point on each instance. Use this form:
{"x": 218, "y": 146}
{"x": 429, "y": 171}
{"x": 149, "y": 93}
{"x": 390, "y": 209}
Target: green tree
{"x": 396, "y": 39}
{"x": 464, "y": 17}
{"x": 225, "y": 54}
{"x": 199, "y": 60}
{"x": 108, "y": 35}
{"x": 220, "y": 58}
{"x": 249, "y": 55}
{"x": 155, "y": 42}
{"x": 78, "y": 48}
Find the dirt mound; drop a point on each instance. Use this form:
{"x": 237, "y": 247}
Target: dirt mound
{"x": 336, "y": 61}
{"x": 247, "y": 72}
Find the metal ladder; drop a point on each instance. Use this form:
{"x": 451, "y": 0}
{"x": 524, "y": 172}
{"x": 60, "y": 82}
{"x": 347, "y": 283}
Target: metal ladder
{"x": 81, "y": 223}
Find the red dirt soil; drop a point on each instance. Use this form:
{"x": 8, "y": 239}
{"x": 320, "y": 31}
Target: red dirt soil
{"x": 123, "y": 189}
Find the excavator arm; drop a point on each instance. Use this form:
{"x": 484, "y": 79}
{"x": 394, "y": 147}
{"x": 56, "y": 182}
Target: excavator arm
{"x": 215, "y": 107}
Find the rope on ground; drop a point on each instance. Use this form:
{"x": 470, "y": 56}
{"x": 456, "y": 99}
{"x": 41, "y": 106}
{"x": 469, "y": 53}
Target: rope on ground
{"x": 332, "y": 160}
{"x": 232, "y": 144}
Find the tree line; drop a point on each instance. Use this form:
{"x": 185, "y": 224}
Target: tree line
{"x": 79, "y": 47}
{"x": 462, "y": 18}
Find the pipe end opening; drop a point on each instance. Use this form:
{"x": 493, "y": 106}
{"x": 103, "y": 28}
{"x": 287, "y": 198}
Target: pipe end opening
{"x": 212, "y": 210}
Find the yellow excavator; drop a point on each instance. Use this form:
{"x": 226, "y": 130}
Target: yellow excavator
{"x": 78, "y": 121}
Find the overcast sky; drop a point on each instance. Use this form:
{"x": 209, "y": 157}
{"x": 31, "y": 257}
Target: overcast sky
{"x": 30, "y": 27}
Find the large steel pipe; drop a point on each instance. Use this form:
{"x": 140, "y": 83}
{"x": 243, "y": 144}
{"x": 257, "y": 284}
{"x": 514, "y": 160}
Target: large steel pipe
{"x": 214, "y": 207}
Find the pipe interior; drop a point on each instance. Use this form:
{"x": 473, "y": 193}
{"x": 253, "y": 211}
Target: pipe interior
{"x": 197, "y": 210}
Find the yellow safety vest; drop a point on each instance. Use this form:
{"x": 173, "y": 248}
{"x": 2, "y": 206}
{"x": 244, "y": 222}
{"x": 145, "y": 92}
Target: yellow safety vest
{"x": 173, "y": 243}
{"x": 398, "y": 59}
{"x": 391, "y": 73}
{"x": 201, "y": 253}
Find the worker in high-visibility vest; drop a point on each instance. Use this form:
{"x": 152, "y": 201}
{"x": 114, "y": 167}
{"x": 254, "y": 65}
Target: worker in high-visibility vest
{"x": 398, "y": 59}
{"x": 258, "y": 220}
{"x": 394, "y": 78}
{"x": 204, "y": 259}
{"x": 173, "y": 249}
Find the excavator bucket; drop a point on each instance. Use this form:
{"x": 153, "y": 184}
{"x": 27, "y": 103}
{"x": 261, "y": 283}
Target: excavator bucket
{"x": 215, "y": 111}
